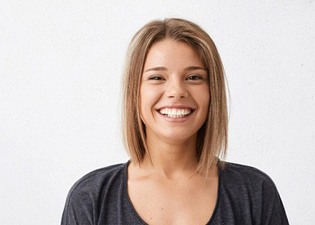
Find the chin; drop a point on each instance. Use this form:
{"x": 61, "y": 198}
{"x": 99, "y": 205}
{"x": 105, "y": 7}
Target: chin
{"x": 179, "y": 137}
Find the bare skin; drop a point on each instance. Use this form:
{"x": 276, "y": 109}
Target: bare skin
{"x": 165, "y": 188}
{"x": 177, "y": 197}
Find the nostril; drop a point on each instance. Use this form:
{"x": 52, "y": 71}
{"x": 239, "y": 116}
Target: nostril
{"x": 177, "y": 94}
{"x": 176, "y": 89}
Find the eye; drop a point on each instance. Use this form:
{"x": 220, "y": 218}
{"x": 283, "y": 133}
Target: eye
{"x": 194, "y": 77}
{"x": 155, "y": 77}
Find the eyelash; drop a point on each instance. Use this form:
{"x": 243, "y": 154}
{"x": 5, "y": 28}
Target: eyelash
{"x": 155, "y": 77}
{"x": 193, "y": 77}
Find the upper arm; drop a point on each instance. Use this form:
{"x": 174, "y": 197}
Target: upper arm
{"x": 273, "y": 212}
{"x": 78, "y": 209}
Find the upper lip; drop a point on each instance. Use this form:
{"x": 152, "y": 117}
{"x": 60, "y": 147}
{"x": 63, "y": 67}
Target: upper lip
{"x": 177, "y": 106}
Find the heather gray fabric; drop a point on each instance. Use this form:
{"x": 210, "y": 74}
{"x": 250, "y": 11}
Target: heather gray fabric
{"x": 246, "y": 196}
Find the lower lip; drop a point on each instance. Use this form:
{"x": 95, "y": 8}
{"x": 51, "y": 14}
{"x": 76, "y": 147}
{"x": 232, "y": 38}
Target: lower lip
{"x": 178, "y": 119}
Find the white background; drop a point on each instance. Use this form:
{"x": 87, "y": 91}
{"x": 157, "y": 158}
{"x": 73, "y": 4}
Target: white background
{"x": 60, "y": 94}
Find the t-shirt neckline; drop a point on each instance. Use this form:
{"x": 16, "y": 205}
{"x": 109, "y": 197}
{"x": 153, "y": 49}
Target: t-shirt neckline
{"x": 135, "y": 213}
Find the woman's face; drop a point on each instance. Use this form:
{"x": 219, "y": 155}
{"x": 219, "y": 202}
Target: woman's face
{"x": 174, "y": 92}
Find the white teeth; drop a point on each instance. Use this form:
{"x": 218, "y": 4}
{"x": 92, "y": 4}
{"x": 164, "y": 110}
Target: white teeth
{"x": 175, "y": 113}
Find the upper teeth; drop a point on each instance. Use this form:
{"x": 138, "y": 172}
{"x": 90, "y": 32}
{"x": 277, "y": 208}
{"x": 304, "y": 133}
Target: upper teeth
{"x": 175, "y": 112}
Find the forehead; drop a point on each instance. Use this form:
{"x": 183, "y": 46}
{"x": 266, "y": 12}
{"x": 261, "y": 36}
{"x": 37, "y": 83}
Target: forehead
{"x": 171, "y": 53}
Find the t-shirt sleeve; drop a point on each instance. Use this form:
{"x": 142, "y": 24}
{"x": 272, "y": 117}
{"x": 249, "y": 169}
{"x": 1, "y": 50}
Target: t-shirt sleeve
{"x": 78, "y": 209}
{"x": 273, "y": 212}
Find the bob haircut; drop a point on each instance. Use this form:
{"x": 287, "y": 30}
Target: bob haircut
{"x": 212, "y": 136}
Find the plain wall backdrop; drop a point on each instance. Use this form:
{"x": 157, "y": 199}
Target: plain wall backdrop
{"x": 60, "y": 94}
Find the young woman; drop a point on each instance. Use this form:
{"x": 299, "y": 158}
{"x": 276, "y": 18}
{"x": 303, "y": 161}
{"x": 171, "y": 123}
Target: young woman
{"x": 175, "y": 126}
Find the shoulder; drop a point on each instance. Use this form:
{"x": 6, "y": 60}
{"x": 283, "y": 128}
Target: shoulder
{"x": 243, "y": 174}
{"x": 250, "y": 193}
{"x": 250, "y": 181}
{"x": 88, "y": 194}
{"x": 242, "y": 182}
{"x": 101, "y": 174}
{"x": 93, "y": 183}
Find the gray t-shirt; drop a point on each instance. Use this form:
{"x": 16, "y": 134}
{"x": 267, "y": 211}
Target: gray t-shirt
{"x": 246, "y": 196}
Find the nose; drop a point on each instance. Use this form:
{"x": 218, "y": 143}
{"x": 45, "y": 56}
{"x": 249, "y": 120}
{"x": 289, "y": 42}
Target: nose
{"x": 176, "y": 89}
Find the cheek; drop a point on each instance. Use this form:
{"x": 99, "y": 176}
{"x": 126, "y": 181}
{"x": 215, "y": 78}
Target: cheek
{"x": 204, "y": 101}
{"x": 203, "y": 96}
{"x": 148, "y": 98}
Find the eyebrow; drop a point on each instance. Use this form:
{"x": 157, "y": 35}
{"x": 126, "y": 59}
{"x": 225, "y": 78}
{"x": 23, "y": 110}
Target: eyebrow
{"x": 190, "y": 68}
{"x": 159, "y": 68}
{"x": 195, "y": 68}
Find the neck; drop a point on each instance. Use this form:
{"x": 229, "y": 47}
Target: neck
{"x": 170, "y": 159}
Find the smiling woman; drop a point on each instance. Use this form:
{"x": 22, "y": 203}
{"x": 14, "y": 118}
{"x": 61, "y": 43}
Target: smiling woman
{"x": 174, "y": 93}
{"x": 175, "y": 123}
{"x": 212, "y": 135}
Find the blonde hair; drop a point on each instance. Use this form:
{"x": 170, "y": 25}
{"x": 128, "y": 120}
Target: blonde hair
{"x": 212, "y": 136}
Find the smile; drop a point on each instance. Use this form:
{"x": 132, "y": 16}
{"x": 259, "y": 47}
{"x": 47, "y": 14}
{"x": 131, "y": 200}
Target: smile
{"x": 175, "y": 112}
